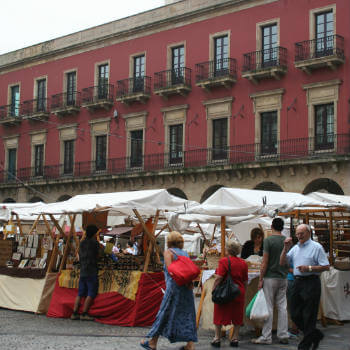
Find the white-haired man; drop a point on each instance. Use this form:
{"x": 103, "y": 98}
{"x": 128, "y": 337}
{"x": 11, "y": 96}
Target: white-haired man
{"x": 308, "y": 259}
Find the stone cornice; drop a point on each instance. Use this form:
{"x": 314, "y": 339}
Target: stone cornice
{"x": 179, "y": 13}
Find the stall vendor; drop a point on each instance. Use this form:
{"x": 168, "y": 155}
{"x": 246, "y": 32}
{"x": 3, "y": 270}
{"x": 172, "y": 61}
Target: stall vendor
{"x": 88, "y": 281}
{"x": 255, "y": 245}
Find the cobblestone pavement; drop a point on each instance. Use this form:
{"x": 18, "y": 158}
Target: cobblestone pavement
{"x": 20, "y": 330}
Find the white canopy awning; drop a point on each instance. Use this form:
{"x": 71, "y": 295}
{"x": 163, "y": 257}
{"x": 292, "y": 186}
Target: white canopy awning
{"x": 243, "y": 202}
{"x": 119, "y": 203}
{"x": 22, "y": 209}
{"x": 330, "y": 199}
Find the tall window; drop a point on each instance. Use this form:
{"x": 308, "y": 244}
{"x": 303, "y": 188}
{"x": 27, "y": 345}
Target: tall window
{"x": 139, "y": 73}
{"x": 136, "y": 148}
{"x": 71, "y": 88}
{"x": 41, "y": 95}
{"x": 101, "y": 152}
{"x": 269, "y": 45}
{"x": 221, "y": 55}
{"x": 38, "y": 160}
{"x": 12, "y": 163}
{"x": 324, "y": 33}
{"x": 269, "y": 133}
{"x": 324, "y": 126}
{"x": 175, "y": 144}
{"x": 103, "y": 79}
{"x": 68, "y": 161}
{"x": 177, "y": 64}
{"x": 219, "y": 139}
{"x": 15, "y": 99}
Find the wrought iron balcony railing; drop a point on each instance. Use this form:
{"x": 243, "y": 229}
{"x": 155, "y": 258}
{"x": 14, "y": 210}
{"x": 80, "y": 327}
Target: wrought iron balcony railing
{"x": 65, "y": 100}
{"x": 133, "y": 86}
{"x": 10, "y": 111}
{"x": 33, "y": 107}
{"x": 217, "y": 69}
{"x": 172, "y": 78}
{"x": 265, "y": 59}
{"x": 284, "y": 150}
{"x": 332, "y": 45}
{"x": 96, "y": 94}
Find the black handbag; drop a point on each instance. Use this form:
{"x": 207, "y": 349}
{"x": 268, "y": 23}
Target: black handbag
{"x": 227, "y": 290}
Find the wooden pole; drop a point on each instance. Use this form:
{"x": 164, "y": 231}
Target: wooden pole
{"x": 331, "y": 258}
{"x": 152, "y": 238}
{"x": 151, "y": 244}
{"x": 67, "y": 247}
{"x": 212, "y": 236}
{"x": 35, "y": 224}
{"x": 55, "y": 222}
{"x": 19, "y": 225}
{"x": 162, "y": 229}
{"x": 200, "y": 307}
{"x": 203, "y": 235}
{"x": 223, "y": 235}
{"x": 48, "y": 228}
{"x": 53, "y": 255}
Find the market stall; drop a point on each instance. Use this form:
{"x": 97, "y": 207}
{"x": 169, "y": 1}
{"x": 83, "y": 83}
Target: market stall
{"x": 131, "y": 289}
{"x": 26, "y": 245}
{"x": 234, "y": 208}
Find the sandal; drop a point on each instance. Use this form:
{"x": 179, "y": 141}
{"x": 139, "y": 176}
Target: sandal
{"x": 216, "y": 343}
{"x": 234, "y": 343}
{"x": 146, "y": 345}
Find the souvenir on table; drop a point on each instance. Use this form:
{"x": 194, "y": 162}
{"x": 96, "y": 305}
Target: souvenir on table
{"x": 22, "y": 241}
{"x": 27, "y": 252}
{"x": 30, "y": 241}
{"x": 20, "y": 249}
{"x": 33, "y": 252}
{"x": 23, "y": 263}
{"x": 47, "y": 243}
{"x": 30, "y": 263}
{"x": 35, "y": 241}
{"x": 36, "y": 263}
{"x": 16, "y": 256}
{"x": 42, "y": 263}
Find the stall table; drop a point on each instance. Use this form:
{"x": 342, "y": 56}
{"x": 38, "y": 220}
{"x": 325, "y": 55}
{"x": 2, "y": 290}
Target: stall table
{"x": 125, "y": 298}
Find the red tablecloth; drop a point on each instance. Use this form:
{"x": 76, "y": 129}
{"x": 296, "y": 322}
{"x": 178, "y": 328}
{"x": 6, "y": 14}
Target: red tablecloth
{"x": 113, "y": 308}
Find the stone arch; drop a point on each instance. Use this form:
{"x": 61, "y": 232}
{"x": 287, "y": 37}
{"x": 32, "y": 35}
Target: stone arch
{"x": 9, "y": 200}
{"x": 64, "y": 197}
{"x": 35, "y": 200}
{"x": 209, "y": 191}
{"x": 177, "y": 192}
{"x": 325, "y": 185}
{"x": 268, "y": 186}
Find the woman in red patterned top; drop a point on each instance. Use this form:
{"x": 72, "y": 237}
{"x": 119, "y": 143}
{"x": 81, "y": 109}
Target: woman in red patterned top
{"x": 232, "y": 312}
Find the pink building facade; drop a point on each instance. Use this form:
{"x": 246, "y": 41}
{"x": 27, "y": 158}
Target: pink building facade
{"x": 191, "y": 96}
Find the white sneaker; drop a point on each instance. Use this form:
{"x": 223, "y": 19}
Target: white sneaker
{"x": 261, "y": 340}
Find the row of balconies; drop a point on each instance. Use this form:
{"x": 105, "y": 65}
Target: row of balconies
{"x": 291, "y": 150}
{"x": 257, "y": 65}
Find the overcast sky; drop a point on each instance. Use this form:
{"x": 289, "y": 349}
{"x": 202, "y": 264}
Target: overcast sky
{"x": 27, "y": 22}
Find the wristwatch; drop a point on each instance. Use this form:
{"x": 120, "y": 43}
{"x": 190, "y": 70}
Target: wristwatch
{"x": 310, "y": 268}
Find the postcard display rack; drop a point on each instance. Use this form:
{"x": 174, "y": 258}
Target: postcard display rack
{"x": 24, "y": 262}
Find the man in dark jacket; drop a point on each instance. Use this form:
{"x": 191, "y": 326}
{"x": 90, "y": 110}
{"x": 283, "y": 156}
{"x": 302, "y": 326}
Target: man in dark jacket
{"x": 88, "y": 281}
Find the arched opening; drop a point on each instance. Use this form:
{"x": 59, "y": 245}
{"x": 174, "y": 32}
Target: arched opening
{"x": 268, "y": 186}
{"x": 35, "y": 200}
{"x": 177, "y": 192}
{"x": 9, "y": 200}
{"x": 323, "y": 185}
{"x": 209, "y": 191}
{"x": 64, "y": 197}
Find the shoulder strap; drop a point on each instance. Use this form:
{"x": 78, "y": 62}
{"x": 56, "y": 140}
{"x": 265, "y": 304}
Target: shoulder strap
{"x": 173, "y": 251}
{"x": 229, "y": 264}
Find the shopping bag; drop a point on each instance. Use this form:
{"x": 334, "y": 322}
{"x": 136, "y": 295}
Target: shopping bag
{"x": 249, "y": 307}
{"x": 183, "y": 270}
{"x": 259, "y": 310}
{"x": 227, "y": 290}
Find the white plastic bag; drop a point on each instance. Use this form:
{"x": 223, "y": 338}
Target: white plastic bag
{"x": 259, "y": 310}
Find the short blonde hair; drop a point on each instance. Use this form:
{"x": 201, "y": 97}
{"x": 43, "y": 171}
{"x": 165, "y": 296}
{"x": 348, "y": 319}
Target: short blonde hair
{"x": 175, "y": 240}
{"x": 233, "y": 248}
